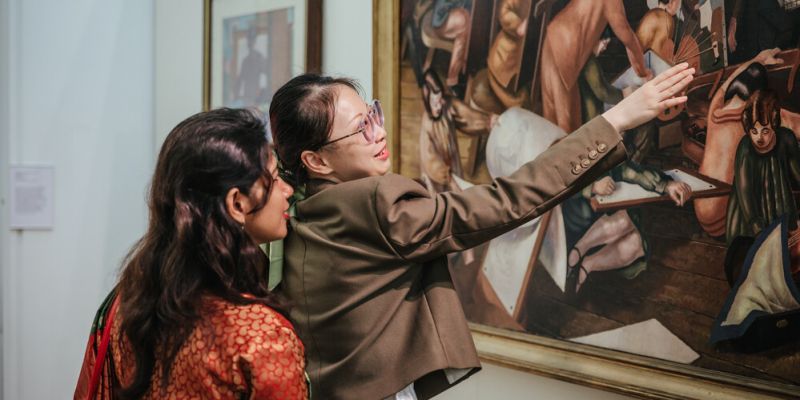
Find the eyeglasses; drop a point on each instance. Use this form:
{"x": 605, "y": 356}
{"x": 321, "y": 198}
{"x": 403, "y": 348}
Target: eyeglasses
{"x": 367, "y": 126}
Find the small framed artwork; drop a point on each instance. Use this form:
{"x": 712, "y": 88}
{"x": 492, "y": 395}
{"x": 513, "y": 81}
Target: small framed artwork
{"x": 252, "y": 47}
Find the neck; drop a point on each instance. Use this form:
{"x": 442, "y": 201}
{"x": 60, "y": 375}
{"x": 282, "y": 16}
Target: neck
{"x": 766, "y": 150}
{"x": 313, "y": 176}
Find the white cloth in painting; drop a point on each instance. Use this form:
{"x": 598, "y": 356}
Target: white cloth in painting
{"x": 520, "y": 136}
{"x": 765, "y": 288}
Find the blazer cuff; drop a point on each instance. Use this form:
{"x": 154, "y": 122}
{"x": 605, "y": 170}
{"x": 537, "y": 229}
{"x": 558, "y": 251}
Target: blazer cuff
{"x": 598, "y": 145}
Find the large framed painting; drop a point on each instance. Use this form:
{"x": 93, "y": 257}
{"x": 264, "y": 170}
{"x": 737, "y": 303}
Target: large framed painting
{"x": 677, "y": 274}
{"x": 252, "y": 47}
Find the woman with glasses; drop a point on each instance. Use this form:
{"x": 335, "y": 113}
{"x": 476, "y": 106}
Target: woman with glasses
{"x": 191, "y": 316}
{"x": 364, "y": 262}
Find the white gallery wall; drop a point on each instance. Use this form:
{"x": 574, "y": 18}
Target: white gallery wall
{"x": 77, "y": 94}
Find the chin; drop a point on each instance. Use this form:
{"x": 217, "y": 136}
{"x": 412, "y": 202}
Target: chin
{"x": 384, "y": 168}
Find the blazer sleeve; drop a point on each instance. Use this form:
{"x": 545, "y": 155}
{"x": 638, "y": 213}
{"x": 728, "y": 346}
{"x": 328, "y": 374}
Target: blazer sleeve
{"x": 420, "y": 226}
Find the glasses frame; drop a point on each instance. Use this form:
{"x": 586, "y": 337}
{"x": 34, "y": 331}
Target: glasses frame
{"x": 374, "y": 117}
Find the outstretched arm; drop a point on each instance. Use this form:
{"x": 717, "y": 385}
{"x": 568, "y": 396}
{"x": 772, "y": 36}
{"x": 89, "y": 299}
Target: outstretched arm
{"x": 615, "y": 14}
{"x": 418, "y": 225}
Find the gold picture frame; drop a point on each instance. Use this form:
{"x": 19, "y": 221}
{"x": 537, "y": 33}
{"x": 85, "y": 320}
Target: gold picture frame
{"x": 601, "y": 368}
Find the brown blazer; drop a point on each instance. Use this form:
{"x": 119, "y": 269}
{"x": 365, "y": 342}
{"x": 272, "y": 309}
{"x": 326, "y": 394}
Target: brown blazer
{"x": 367, "y": 275}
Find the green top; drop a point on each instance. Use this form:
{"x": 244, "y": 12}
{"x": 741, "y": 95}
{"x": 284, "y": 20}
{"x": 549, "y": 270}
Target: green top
{"x": 595, "y": 89}
{"x": 762, "y": 183}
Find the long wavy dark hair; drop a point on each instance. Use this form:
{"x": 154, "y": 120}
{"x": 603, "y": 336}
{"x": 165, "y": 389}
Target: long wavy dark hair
{"x": 192, "y": 247}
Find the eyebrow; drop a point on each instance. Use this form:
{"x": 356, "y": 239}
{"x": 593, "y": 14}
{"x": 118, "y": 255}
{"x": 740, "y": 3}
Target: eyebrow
{"x": 358, "y": 117}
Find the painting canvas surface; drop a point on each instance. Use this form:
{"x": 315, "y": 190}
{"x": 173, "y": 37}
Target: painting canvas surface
{"x": 487, "y": 85}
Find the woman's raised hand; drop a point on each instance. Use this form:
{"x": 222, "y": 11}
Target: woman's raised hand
{"x": 651, "y": 99}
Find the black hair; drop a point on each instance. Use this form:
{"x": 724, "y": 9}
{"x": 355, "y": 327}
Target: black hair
{"x": 192, "y": 246}
{"x": 301, "y": 118}
{"x": 762, "y": 107}
{"x": 751, "y": 80}
{"x": 431, "y": 82}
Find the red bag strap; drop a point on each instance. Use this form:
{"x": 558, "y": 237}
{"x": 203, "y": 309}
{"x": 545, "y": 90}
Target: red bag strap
{"x": 100, "y": 360}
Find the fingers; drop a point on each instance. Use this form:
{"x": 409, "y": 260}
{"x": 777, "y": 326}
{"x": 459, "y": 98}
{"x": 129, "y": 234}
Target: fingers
{"x": 685, "y": 192}
{"x": 677, "y": 79}
{"x": 673, "y": 194}
{"x": 672, "y": 102}
{"x": 670, "y": 73}
{"x": 778, "y": 60}
{"x": 677, "y": 87}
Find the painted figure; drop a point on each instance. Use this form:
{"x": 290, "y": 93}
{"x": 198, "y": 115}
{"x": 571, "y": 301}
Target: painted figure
{"x": 595, "y": 89}
{"x": 252, "y": 84}
{"x": 452, "y": 21}
{"x": 505, "y": 55}
{"x": 615, "y": 237}
{"x": 724, "y": 131}
{"x": 756, "y": 25}
{"x": 656, "y": 30}
{"x": 603, "y": 242}
{"x": 439, "y": 155}
{"x": 766, "y": 168}
{"x": 570, "y": 39}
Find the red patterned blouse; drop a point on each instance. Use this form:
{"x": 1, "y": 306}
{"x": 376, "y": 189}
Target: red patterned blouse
{"x": 234, "y": 352}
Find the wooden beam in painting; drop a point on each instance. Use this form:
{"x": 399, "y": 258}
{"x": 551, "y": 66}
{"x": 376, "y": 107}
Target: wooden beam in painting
{"x": 716, "y": 189}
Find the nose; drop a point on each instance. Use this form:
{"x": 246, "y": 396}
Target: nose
{"x": 287, "y": 189}
{"x": 380, "y": 133}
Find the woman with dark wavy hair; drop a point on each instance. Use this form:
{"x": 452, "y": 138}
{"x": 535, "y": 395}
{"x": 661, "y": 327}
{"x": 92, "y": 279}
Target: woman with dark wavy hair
{"x": 365, "y": 264}
{"x": 191, "y": 316}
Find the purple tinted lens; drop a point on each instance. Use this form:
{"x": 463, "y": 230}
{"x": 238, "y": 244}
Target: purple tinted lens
{"x": 375, "y": 117}
{"x": 378, "y": 111}
{"x": 369, "y": 131}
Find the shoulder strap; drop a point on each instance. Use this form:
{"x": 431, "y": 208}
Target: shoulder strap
{"x": 100, "y": 360}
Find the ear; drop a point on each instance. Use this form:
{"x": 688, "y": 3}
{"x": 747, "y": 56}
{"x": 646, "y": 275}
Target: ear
{"x": 315, "y": 162}
{"x": 237, "y": 205}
